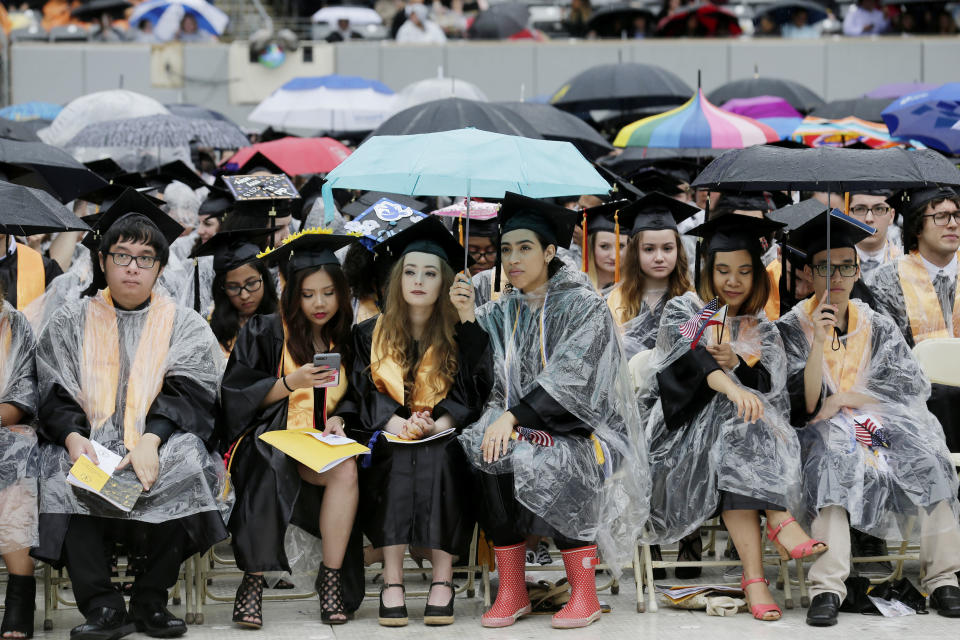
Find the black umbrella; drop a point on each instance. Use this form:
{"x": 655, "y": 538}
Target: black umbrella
{"x": 783, "y": 12}
{"x": 635, "y": 158}
{"x": 27, "y": 211}
{"x": 499, "y": 22}
{"x": 13, "y": 130}
{"x": 612, "y": 21}
{"x": 800, "y": 97}
{"x": 456, "y": 113}
{"x": 623, "y": 86}
{"x": 768, "y": 168}
{"x": 703, "y": 19}
{"x": 555, "y": 124}
{"x": 43, "y": 166}
{"x": 864, "y": 108}
{"x": 91, "y": 11}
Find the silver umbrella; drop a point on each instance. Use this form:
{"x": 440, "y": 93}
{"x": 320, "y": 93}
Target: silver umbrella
{"x": 160, "y": 131}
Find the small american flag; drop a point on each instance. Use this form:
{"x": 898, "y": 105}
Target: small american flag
{"x": 693, "y": 328}
{"x": 870, "y": 433}
{"x": 535, "y": 436}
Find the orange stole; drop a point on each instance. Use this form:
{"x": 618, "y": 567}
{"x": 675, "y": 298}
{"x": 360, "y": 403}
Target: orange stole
{"x": 843, "y": 365}
{"x": 31, "y": 276}
{"x": 300, "y": 402}
{"x": 6, "y": 340}
{"x": 388, "y": 377}
{"x": 774, "y": 273}
{"x": 100, "y": 366}
{"x": 923, "y": 306}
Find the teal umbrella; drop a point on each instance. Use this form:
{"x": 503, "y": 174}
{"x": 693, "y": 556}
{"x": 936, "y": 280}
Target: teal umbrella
{"x": 464, "y": 162}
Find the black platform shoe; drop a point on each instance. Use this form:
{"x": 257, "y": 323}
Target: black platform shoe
{"x": 330, "y": 591}
{"x": 393, "y": 616}
{"x": 248, "y": 603}
{"x": 437, "y": 615}
{"x": 19, "y": 605}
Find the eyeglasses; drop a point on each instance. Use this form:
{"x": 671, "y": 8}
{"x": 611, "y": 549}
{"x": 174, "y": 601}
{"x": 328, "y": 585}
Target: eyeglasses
{"x": 846, "y": 270}
{"x": 124, "y": 259}
{"x": 489, "y": 254}
{"x": 234, "y": 290}
{"x": 942, "y": 218}
{"x": 861, "y": 210}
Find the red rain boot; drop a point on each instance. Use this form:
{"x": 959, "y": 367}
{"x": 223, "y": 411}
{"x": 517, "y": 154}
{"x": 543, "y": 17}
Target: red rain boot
{"x": 512, "y": 599}
{"x": 583, "y": 607}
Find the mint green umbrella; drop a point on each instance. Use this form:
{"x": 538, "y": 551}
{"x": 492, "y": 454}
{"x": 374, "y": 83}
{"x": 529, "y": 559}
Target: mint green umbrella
{"x": 464, "y": 162}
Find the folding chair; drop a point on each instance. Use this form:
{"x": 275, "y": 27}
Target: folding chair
{"x": 938, "y": 358}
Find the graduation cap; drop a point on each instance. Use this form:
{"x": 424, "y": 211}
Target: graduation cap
{"x": 810, "y": 238}
{"x": 106, "y": 168}
{"x": 656, "y": 212}
{"x": 427, "y": 236}
{"x": 730, "y": 202}
{"x": 258, "y": 161}
{"x": 217, "y": 204}
{"x": 913, "y": 201}
{"x": 371, "y": 198}
{"x": 131, "y": 202}
{"x": 653, "y": 179}
{"x": 622, "y": 188}
{"x": 163, "y": 175}
{"x": 307, "y": 249}
{"x": 381, "y": 219}
{"x": 233, "y": 249}
{"x": 604, "y": 217}
{"x": 734, "y": 232}
{"x": 107, "y": 195}
{"x": 260, "y": 200}
{"x": 552, "y": 222}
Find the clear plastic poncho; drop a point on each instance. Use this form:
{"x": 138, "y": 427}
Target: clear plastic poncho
{"x": 19, "y": 455}
{"x": 716, "y": 450}
{"x": 191, "y": 478}
{"x": 879, "y": 487}
{"x": 585, "y": 372}
{"x": 640, "y": 332}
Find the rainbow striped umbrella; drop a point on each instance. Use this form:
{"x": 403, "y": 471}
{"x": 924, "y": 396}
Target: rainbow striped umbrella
{"x": 696, "y": 124}
{"x": 821, "y": 132}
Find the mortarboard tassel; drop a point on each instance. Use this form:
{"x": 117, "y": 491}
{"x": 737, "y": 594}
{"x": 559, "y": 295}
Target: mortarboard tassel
{"x": 460, "y": 222}
{"x": 846, "y": 203}
{"x": 586, "y": 248}
{"x": 616, "y": 233}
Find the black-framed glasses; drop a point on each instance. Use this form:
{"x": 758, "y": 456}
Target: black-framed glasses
{"x": 124, "y": 259}
{"x": 861, "y": 210}
{"x": 942, "y": 218}
{"x": 250, "y": 286}
{"x": 489, "y": 254}
{"x": 846, "y": 270}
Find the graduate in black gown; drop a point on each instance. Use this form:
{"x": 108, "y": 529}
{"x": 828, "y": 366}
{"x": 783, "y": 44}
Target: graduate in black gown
{"x": 24, "y": 272}
{"x": 270, "y": 385}
{"x": 413, "y": 376}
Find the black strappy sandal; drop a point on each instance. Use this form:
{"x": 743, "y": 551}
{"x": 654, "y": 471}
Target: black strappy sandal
{"x": 19, "y": 605}
{"x": 248, "y": 603}
{"x": 393, "y": 616}
{"x": 436, "y": 615}
{"x": 331, "y": 596}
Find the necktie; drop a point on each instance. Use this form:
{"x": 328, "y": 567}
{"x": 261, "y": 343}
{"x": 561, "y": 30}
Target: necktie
{"x": 945, "y": 291}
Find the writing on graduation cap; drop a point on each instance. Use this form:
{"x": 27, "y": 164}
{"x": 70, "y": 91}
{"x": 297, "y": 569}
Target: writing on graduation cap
{"x": 382, "y": 220}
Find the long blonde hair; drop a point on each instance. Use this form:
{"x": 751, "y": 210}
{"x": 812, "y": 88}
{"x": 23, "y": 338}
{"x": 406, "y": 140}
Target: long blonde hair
{"x": 633, "y": 283}
{"x": 438, "y": 333}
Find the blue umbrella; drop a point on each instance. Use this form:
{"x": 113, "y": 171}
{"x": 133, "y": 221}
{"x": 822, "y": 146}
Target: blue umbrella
{"x": 31, "y": 111}
{"x": 932, "y": 117}
{"x": 464, "y": 162}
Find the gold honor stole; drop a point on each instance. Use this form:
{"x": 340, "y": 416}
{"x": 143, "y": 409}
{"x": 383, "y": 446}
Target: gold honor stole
{"x": 923, "y": 305}
{"x": 31, "y": 276}
{"x": 616, "y": 306}
{"x": 843, "y": 365}
{"x": 300, "y": 402}
{"x": 774, "y": 273}
{"x": 6, "y": 340}
{"x": 100, "y": 365}
{"x": 388, "y": 377}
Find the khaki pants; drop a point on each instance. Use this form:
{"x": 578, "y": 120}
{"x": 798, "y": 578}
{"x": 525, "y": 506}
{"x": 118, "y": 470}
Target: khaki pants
{"x": 939, "y": 550}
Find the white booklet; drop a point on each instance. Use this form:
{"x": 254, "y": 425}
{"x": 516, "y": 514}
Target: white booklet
{"x": 398, "y": 440}
{"x": 121, "y": 492}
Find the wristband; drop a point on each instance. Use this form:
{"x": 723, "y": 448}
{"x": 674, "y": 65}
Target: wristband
{"x": 283, "y": 379}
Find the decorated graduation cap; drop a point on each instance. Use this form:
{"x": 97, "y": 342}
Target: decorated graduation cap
{"x": 260, "y": 200}
{"x": 656, "y": 212}
{"x": 810, "y": 238}
{"x": 426, "y": 236}
{"x": 371, "y": 198}
{"x": 307, "y": 249}
{"x": 382, "y": 218}
{"x": 912, "y": 202}
{"x": 233, "y": 249}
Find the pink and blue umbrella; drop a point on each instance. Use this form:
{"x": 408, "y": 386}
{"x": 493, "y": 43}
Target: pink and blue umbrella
{"x": 697, "y": 124}
{"x": 932, "y": 117}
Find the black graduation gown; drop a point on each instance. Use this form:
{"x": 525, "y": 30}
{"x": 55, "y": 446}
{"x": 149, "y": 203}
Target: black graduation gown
{"x": 180, "y": 405}
{"x": 270, "y": 494}
{"x": 417, "y": 495}
{"x": 8, "y": 275}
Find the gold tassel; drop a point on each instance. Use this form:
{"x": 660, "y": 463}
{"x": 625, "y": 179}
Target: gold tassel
{"x": 616, "y": 232}
{"x": 586, "y": 248}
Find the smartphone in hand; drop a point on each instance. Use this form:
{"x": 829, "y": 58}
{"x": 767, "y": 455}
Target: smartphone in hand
{"x": 330, "y": 361}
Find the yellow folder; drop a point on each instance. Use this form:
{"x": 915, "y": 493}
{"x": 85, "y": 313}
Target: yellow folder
{"x": 303, "y": 446}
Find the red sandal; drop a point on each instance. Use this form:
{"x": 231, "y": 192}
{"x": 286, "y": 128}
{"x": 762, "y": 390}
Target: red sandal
{"x": 759, "y": 610}
{"x": 802, "y": 550}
